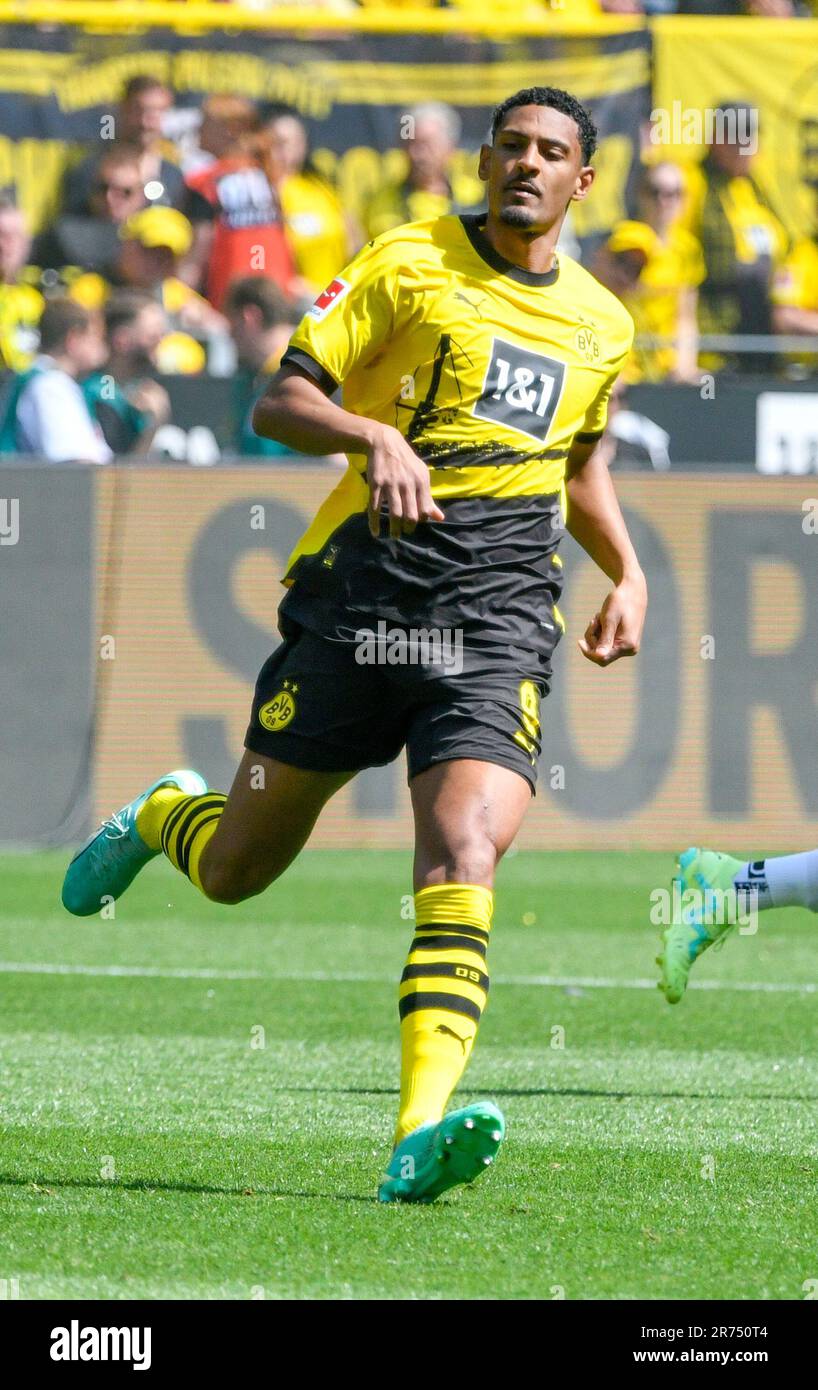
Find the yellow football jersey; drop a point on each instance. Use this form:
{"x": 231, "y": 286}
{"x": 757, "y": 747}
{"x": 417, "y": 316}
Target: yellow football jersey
{"x": 21, "y": 308}
{"x": 489, "y": 371}
{"x": 316, "y": 227}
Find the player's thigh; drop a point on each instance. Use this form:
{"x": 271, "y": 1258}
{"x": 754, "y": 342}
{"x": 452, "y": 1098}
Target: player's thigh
{"x": 268, "y": 817}
{"x": 472, "y": 763}
{"x": 467, "y": 813}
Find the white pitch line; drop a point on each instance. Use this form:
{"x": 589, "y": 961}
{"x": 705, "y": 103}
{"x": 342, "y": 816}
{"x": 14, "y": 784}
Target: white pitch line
{"x": 328, "y": 976}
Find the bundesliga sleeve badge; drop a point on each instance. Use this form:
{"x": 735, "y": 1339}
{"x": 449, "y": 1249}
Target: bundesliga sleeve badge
{"x": 328, "y": 298}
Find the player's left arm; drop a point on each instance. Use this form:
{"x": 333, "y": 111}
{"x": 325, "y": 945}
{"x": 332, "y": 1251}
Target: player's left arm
{"x": 595, "y": 520}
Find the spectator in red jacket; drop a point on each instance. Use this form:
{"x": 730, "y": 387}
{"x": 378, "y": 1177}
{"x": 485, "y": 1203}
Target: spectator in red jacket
{"x": 234, "y": 198}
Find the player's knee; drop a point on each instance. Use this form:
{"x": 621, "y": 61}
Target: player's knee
{"x": 472, "y": 859}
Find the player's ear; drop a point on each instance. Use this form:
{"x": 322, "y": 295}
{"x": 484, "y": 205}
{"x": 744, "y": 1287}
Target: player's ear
{"x": 582, "y": 187}
{"x": 483, "y": 163}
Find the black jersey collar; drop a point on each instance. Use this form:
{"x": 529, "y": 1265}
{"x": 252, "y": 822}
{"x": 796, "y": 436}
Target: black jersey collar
{"x": 473, "y": 227}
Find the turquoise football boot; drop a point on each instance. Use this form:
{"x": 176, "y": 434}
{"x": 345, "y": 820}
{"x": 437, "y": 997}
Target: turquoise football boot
{"x": 436, "y": 1157}
{"x": 111, "y": 858}
{"x": 698, "y": 928}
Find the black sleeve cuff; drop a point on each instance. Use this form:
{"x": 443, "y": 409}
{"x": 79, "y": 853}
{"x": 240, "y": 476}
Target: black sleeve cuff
{"x": 589, "y": 437}
{"x": 297, "y": 357}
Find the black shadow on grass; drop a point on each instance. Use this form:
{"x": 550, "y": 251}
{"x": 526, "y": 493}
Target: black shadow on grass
{"x": 145, "y": 1185}
{"x": 489, "y": 1091}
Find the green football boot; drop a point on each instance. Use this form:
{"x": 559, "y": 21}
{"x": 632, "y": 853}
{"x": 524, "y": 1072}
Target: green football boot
{"x": 111, "y": 858}
{"x": 712, "y": 875}
{"x": 435, "y": 1157}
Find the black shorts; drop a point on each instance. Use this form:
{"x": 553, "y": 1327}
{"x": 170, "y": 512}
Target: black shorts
{"x": 318, "y": 707}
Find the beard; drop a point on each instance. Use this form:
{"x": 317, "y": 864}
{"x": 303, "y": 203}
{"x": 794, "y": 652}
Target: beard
{"x": 524, "y": 218}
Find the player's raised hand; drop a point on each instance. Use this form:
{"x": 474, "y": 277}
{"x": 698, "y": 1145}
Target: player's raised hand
{"x": 398, "y": 478}
{"x": 616, "y": 630}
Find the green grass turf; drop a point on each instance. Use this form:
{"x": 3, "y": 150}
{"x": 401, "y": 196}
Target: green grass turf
{"x": 148, "y": 1150}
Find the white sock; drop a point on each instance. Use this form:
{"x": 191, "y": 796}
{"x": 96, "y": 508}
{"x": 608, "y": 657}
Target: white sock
{"x": 791, "y": 880}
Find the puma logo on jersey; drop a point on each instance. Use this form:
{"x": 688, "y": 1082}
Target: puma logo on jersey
{"x": 465, "y": 300}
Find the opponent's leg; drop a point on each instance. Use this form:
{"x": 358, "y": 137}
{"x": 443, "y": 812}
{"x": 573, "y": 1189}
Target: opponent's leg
{"x": 467, "y": 813}
{"x": 728, "y": 887}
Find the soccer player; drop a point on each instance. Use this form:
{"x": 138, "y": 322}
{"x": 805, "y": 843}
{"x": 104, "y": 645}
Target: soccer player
{"x": 476, "y": 367}
{"x": 727, "y": 888}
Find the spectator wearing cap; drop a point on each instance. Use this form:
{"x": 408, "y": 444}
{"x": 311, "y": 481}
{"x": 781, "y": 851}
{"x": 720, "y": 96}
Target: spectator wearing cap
{"x": 90, "y": 240}
{"x": 430, "y": 187}
{"x": 21, "y": 303}
{"x": 45, "y": 412}
{"x": 138, "y": 121}
{"x": 152, "y": 245}
{"x": 124, "y": 397}
{"x": 655, "y": 267}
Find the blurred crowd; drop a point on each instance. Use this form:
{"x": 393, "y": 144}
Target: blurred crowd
{"x": 166, "y": 261}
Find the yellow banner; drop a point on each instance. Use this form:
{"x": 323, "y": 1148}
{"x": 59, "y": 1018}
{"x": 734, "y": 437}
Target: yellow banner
{"x": 702, "y": 61}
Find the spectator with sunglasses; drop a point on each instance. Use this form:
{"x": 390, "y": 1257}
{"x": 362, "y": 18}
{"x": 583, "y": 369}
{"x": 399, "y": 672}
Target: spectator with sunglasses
{"x": 138, "y": 122}
{"x": 90, "y": 240}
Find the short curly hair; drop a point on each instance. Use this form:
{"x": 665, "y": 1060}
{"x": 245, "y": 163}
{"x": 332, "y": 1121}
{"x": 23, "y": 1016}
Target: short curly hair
{"x": 559, "y": 100}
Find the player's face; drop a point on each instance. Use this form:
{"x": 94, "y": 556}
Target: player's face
{"x": 534, "y": 169}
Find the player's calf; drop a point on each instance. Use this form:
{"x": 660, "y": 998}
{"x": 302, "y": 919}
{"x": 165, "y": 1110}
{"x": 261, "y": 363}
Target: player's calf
{"x": 231, "y": 878}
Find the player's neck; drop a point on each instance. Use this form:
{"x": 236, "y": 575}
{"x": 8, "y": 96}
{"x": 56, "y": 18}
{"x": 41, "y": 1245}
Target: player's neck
{"x": 534, "y": 251}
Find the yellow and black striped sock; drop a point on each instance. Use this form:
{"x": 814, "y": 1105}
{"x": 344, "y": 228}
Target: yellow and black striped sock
{"x": 443, "y": 992}
{"x": 181, "y": 826}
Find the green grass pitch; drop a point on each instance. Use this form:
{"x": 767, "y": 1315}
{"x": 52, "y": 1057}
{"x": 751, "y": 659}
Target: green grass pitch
{"x": 150, "y": 1149}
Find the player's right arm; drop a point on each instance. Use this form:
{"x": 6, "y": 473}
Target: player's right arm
{"x": 344, "y": 329}
{"x": 295, "y": 411}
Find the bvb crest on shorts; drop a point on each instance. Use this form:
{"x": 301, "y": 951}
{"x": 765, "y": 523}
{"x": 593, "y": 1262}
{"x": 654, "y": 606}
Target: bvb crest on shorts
{"x": 277, "y": 713}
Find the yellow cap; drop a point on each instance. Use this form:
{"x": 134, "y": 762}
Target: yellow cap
{"x": 180, "y": 355}
{"x": 159, "y": 227}
{"x": 633, "y": 236}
